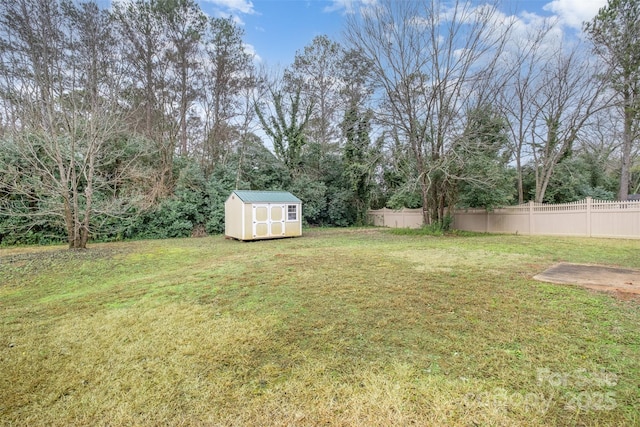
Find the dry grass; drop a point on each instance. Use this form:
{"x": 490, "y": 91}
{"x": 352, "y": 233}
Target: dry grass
{"x": 355, "y": 328}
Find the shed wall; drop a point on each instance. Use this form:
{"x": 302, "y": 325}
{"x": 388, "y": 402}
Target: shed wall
{"x": 293, "y": 228}
{"x": 247, "y": 221}
{"x": 239, "y": 220}
{"x": 233, "y": 218}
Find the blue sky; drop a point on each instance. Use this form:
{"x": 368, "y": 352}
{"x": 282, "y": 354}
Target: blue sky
{"x": 276, "y": 29}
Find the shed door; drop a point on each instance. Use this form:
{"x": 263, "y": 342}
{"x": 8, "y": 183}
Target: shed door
{"x": 268, "y": 220}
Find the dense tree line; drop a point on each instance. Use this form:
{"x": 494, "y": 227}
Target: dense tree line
{"x": 137, "y": 121}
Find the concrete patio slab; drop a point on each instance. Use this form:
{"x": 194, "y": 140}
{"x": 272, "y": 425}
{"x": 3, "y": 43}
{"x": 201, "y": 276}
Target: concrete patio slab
{"x": 593, "y": 277}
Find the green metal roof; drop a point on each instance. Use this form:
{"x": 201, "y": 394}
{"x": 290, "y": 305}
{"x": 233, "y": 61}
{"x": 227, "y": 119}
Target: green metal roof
{"x": 249, "y": 196}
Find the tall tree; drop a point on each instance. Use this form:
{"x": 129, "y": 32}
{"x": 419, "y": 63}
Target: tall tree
{"x": 360, "y": 159}
{"x": 285, "y": 123}
{"x": 614, "y": 33}
{"x": 567, "y": 96}
{"x": 185, "y": 25}
{"x": 357, "y": 80}
{"x": 484, "y": 178}
{"x": 227, "y": 78}
{"x": 524, "y": 61}
{"x": 432, "y": 61}
{"x": 316, "y": 72}
{"x": 160, "y": 44}
{"x": 144, "y": 45}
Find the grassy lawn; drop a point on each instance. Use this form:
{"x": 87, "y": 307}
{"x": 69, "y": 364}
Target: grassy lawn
{"x": 339, "y": 327}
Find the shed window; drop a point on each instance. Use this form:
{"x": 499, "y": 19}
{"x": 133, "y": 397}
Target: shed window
{"x": 292, "y": 212}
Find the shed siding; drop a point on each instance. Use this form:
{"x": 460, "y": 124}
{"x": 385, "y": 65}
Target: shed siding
{"x": 292, "y": 229}
{"x": 270, "y": 209}
{"x": 233, "y": 218}
{"x": 247, "y": 217}
{"x": 243, "y": 220}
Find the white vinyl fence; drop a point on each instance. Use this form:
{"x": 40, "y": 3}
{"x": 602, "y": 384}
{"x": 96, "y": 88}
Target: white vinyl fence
{"x": 592, "y": 218}
{"x": 403, "y": 218}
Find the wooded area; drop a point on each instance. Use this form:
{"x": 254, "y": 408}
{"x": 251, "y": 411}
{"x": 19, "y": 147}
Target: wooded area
{"x": 137, "y": 121}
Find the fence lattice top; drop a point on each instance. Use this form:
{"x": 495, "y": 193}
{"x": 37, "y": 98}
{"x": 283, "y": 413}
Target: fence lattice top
{"x": 580, "y": 205}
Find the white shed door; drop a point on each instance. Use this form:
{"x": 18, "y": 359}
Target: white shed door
{"x": 268, "y": 220}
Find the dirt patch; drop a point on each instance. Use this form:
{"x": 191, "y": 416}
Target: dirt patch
{"x": 622, "y": 281}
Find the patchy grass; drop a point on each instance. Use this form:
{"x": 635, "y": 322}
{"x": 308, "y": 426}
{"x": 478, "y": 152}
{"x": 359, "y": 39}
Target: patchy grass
{"x": 340, "y": 327}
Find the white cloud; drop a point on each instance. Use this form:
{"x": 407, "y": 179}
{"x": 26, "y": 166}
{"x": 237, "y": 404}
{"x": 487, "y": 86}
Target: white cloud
{"x": 348, "y": 6}
{"x": 574, "y": 12}
{"x": 227, "y": 15}
{"x": 251, "y": 50}
{"x": 241, "y": 6}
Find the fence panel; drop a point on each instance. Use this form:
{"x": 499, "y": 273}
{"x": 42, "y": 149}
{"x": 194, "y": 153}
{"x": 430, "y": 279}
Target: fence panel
{"x": 471, "y": 220}
{"x": 403, "y": 218}
{"x": 593, "y": 218}
{"x": 507, "y": 221}
{"x": 615, "y": 219}
{"x": 566, "y": 219}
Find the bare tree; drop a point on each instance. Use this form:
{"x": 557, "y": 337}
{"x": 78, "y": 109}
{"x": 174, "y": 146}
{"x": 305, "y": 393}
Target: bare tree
{"x": 598, "y": 145}
{"x": 432, "y": 62}
{"x": 185, "y": 25}
{"x": 523, "y": 61}
{"x": 356, "y": 78}
{"x": 316, "y": 71}
{"x": 63, "y": 157}
{"x": 228, "y": 76}
{"x": 143, "y": 43}
{"x": 248, "y": 115}
{"x": 141, "y": 28}
{"x": 567, "y": 96}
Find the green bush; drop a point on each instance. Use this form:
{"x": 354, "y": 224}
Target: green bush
{"x": 313, "y": 195}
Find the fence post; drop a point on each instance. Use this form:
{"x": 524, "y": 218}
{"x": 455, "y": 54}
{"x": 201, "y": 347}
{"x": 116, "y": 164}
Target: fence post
{"x": 589, "y": 216}
{"x": 486, "y": 221}
{"x": 531, "y": 217}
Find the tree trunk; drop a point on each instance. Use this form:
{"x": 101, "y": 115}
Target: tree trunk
{"x": 627, "y": 140}
{"x": 424, "y": 192}
{"x": 520, "y": 183}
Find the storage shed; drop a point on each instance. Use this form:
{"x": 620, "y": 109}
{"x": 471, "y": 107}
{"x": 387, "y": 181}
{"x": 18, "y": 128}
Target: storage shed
{"x": 253, "y": 215}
